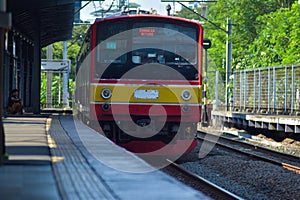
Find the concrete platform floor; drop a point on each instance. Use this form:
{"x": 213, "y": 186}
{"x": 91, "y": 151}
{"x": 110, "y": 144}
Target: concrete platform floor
{"x": 58, "y": 157}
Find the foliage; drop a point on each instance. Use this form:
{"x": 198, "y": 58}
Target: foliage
{"x": 243, "y": 15}
{"x": 56, "y": 90}
{"x": 73, "y": 47}
{"x": 185, "y": 13}
{"x": 264, "y": 33}
{"x": 133, "y": 5}
{"x": 278, "y": 42}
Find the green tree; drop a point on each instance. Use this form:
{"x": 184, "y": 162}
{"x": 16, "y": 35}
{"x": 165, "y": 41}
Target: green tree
{"x": 257, "y": 26}
{"x": 133, "y": 5}
{"x": 246, "y": 28}
{"x": 73, "y": 47}
{"x": 186, "y": 13}
{"x": 243, "y": 14}
{"x": 278, "y": 42}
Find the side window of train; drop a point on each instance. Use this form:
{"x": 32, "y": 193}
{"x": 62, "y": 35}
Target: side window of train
{"x": 110, "y": 51}
{"x": 112, "y": 43}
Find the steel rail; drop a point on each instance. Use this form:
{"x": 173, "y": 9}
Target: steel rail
{"x": 257, "y": 149}
{"x": 202, "y": 184}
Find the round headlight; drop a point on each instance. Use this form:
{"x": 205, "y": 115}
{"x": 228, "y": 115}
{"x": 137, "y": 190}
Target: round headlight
{"x": 185, "y": 108}
{"x": 106, "y": 107}
{"x": 106, "y": 93}
{"x": 186, "y": 95}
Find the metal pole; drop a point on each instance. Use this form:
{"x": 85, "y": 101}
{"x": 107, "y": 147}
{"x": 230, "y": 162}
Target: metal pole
{"x": 274, "y": 89}
{"x": 269, "y": 89}
{"x": 293, "y": 90}
{"x": 245, "y": 89}
{"x": 65, "y": 77}
{"x": 234, "y": 90}
{"x": 259, "y": 91}
{"x": 217, "y": 91}
{"x": 228, "y": 59}
{"x": 254, "y": 98}
{"x": 49, "y": 75}
{"x": 241, "y": 89}
{"x": 174, "y": 10}
{"x": 286, "y": 89}
{"x": 204, "y": 120}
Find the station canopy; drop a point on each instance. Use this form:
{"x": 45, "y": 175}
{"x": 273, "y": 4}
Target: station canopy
{"x": 52, "y": 18}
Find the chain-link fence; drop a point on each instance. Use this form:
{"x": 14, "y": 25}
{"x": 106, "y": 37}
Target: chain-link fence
{"x": 267, "y": 90}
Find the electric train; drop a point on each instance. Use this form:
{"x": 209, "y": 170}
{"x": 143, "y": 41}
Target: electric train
{"x": 139, "y": 81}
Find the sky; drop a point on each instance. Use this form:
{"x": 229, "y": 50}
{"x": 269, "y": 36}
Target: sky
{"x": 157, "y": 5}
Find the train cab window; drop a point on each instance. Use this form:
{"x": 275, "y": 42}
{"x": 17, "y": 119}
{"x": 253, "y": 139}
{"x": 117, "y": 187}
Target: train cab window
{"x": 112, "y": 42}
{"x": 124, "y": 46}
{"x": 112, "y": 51}
{"x": 169, "y": 44}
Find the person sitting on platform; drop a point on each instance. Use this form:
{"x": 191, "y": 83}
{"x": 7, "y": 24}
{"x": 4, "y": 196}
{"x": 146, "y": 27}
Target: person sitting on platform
{"x": 14, "y": 103}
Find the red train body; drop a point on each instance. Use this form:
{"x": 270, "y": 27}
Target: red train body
{"x": 139, "y": 82}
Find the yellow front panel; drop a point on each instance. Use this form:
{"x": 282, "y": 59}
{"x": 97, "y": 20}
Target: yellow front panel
{"x": 125, "y": 93}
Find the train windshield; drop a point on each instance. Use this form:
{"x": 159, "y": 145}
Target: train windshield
{"x": 123, "y": 46}
{"x": 170, "y": 44}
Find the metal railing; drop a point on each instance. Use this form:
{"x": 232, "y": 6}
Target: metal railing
{"x": 216, "y": 90}
{"x": 267, "y": 90}
{"x": 52, "y": 90}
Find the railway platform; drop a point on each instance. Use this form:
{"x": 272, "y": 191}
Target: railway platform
{"x": 54, "y": 156}
{"x": 272, "y": 122}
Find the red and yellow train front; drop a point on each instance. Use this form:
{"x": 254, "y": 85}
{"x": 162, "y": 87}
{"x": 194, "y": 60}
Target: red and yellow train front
{"x": 148, "y": 117}
{"x": 145, "y": 88}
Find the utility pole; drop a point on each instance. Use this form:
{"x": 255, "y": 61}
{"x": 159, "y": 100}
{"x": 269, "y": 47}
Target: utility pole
{"x": 65, "y": 77}
{"x": 206, "y": 46}
{"x": 49, "y": 76}
{"x": 228, "y": 61}
{"x": 228, "y": 32}
{"x": 5, "y": 23}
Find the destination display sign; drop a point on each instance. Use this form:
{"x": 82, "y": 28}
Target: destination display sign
{"x": 146, "y": 94}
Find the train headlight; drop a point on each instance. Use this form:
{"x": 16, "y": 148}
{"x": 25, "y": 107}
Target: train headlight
{"x": 186, "y": 95}
{"x": 106, "y": 107}
{"x": 106, "y": 93}
{"x": 185, "y": 108}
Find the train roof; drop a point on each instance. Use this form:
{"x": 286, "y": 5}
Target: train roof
{"x": 142, "y": 14}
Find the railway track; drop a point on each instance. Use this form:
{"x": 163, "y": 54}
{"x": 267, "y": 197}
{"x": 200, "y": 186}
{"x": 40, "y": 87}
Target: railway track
{"x": 197, "y": 182}
{"x": 287, "y": 161}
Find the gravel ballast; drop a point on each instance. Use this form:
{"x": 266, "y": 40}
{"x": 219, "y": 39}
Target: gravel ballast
{"x": 243, "y": 176}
